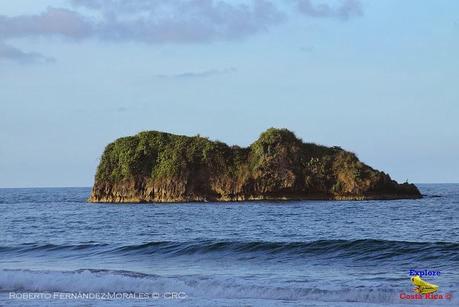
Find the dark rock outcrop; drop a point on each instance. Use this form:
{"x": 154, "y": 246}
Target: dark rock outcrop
{"x": 161, "y": 167}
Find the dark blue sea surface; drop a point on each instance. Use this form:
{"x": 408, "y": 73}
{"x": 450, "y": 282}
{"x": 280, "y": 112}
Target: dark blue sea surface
{"x": 311, "y": 253}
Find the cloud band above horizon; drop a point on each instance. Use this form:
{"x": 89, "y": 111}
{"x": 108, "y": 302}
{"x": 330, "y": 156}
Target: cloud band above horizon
{"x": 159, "y": 22}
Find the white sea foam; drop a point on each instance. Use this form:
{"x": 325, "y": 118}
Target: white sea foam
{"x": 195, "y": 287}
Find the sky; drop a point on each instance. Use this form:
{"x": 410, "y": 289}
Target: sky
{"x": 378, "y": 78}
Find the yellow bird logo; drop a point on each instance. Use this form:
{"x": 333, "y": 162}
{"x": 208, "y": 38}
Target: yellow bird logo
{"x": 423, "y": 287}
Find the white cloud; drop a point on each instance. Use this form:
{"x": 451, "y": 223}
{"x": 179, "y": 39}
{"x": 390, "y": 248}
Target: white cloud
{"x": 343, "y": 10}
{"x": 161, "y": 21}
{"x": 8, "y": 52}
{"x": 197, "y": 74}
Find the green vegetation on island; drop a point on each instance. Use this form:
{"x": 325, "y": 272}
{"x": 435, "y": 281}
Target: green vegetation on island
{"x": 155, "y": 166}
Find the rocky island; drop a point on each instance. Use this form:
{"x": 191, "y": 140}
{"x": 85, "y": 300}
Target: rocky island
{"x": 155, "y": 166}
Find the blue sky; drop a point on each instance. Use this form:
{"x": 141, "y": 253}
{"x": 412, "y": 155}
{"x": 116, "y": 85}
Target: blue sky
{"x": 379, "y": 78}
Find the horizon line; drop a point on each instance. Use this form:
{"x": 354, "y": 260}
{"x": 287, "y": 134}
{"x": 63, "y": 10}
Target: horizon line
{"x": 89, "y": 187}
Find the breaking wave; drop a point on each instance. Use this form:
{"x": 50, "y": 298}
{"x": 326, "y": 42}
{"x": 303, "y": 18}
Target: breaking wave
{"x": 194, "y": 286}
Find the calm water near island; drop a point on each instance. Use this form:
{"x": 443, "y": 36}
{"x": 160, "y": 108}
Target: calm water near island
{"x": 317, "y": 253}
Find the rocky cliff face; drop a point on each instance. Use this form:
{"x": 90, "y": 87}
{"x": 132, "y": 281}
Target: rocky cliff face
{"x": 161, "y": 167}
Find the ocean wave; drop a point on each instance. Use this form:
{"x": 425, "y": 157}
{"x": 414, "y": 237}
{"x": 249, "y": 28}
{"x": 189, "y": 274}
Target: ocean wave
{"x": 365, "y": 249}
{"x": 90, "y": 281}
{"x": 362, "y": 249}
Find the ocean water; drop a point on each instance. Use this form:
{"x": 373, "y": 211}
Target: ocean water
{"x": 56, "y": 250}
